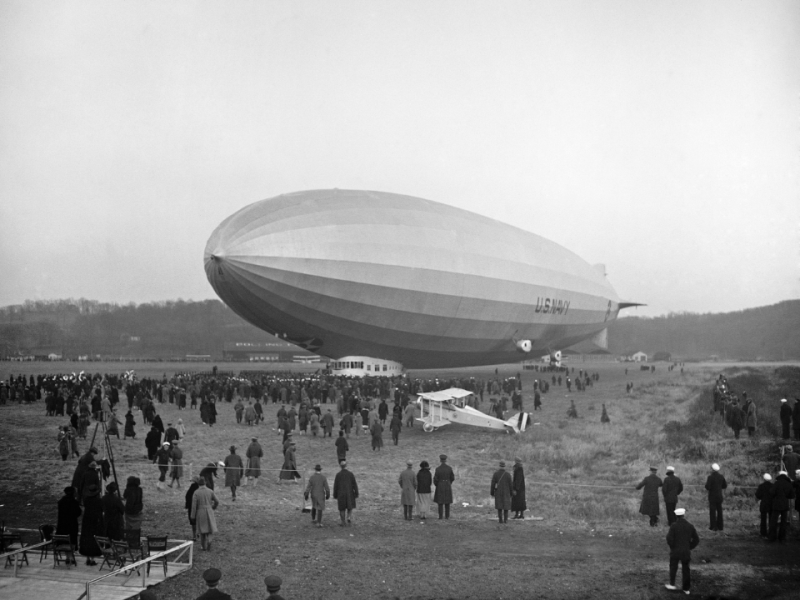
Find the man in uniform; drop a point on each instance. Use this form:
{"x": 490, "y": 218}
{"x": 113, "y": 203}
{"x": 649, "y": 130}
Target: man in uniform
{"x": 673, "y": 487}
{"x": 443, "y": 479}
{"x": 254, "y": 454}
{"x": 682, "y": 539}
{"x": 318, "y": 490}
{"x": 273, "y": 583}
{"x": 791, "y": 461}
{"x": 345, "y": 491}
{"x": 715, "y": 484}
{"x": 649, "y": 505}
{"x": 212, "y": 577}
{"x": 764, "y": 495}
{"x": 780, "y": 495}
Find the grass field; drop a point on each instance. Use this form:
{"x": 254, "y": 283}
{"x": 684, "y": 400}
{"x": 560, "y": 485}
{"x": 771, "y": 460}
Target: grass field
{"x": 581, "y": 474}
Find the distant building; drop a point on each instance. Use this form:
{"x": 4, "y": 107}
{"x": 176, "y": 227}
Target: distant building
{"x": 273, "y": 351}
{"x": 663, "y": 356}
{"x": 639, "y": 357}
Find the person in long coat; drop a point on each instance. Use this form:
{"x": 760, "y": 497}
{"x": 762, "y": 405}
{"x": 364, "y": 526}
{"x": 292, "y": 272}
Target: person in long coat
{"x": 188, "y": 504}
{"x": 254, "y": 454}
{"x": 673, "y": 487}
{"x": 204, "y": 503}
{"x": 69, "y": 509}
{"x": 234, "y": 469}
{"x": 408, "y": 490}
{"x": 650, "y": 504}
{"x": 750, "y": 417}
{"x": 314, "y": 423}
{"x": 81, "y": 468}
{"x": 424, "y": 481}
{"x": 134, "y": 504}
{"x": 714, "y": 485}
{"x": 682, "y": 538}
{"x": 90, "y": 477}
{"x": 443, "y": 479}
{"x": 130, "y": 423}
{"x": 518, "y": 502}
{"x": 502, "y": 490}
{"x": 91, "y": 524}
{"x": 289, "y": 468}
{"x": 113, "y": 513}
{"x": 327, "y": 423}
{"x": 162, "y": 458}
{"x": 342, "y": 447}
{"x": 376, "y": 429}
{"x": 318, "y": 490}
{"x": 152, "y": 441}
{"x": 345, "y": 491}
{"x": 395, "y": 426}
{"x": 176, "y": 455}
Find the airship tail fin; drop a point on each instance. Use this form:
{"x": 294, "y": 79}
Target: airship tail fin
{"x": 601, "y": 339}
{"x": 630, "y": 304}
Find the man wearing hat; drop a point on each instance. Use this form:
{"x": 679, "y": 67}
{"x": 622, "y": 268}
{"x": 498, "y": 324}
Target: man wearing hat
{"x": 345, "y": 491}
{"x": 781, "y": 494}
{"x": 162, "y": 458}
{"x": 92, "y": 524}
{"x": 764, "y": 494}
{"x": 234, "y": 469}
{"x": 273, "y": 587}
{"x": 673, "y": 487}
{"x": 443, "y": 478}
{"x": 318, "y": 490}
{"x": 204, "y": 503}
{"x": 408, "y": 487}
{"x": 254, "y": 455}
{"x": 649, "y": 505}
{"x": 715, "y": 484}
{"x": 502, "y": 491}
{"x": 786, "y": 417}
{"x": 212, "y": 577}
{"x": 342, "y": 447}
{"x": 518, "y": 503}
{"x": 83, "y": 465}
{"x": 682, "y": 539}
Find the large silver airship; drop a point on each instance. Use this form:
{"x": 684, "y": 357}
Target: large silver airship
{"x": 399, "y": 278}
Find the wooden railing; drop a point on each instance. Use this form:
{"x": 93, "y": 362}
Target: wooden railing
{"x": 182, "y": 545}
{"x": 17, "y": 559}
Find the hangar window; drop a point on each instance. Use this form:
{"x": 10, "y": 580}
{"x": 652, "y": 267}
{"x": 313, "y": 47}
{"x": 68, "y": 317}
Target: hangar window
{"x": 369, "y": 367}
{"x": 384, "y": 367}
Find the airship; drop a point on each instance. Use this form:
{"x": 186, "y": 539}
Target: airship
{"x": 388, "y": 276}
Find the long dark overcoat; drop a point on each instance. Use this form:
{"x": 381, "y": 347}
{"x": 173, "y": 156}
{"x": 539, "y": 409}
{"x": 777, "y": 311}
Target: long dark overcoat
{"x": 501, "y": 489}
{"x": 443, "y": 479}
{"x": 69, "y": 509}
{"x": 345, "y": 489}
{"x": 649, "y": 505}
{"x": 518, "y": 502}
{"x": 91, "y": 525}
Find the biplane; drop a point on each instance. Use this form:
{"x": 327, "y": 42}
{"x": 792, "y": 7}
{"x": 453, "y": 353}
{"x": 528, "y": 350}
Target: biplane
{"x": 438, "y": 409}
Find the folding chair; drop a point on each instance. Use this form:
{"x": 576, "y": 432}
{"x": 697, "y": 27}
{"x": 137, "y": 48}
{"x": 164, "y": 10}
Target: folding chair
{"x": 63, "y": 551}
{"x": 133, "y": 539}
{"x": 110, "y": 556}
{"x": 45, "y": 535}
{"x": 157, "y": 544}
{"x": 11, "y": 542}
{"x": 121, "y": 549}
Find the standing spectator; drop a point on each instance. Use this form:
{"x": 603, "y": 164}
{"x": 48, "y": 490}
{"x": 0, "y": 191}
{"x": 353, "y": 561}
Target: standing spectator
{"x": 134, "y": 505}
{"x": 518, "y": 502}
{"x": 781, "y": 493}
{"x": 342, "y": 447}
{"x": 152, "y": 442}
{"x": 113, "y": 512}
{"x": 327, "y": 424}
{"x": 188, "y": 504}
{"x": 383, "y": 411}
{"x": 92, "y": 524}
{"x": 250, "y": 413}
{"x": 289, "y": 468}
{"x": 408, "y": 487}
{"x": 604, "y": 417}
{"x": 69, "y": 509}
{"x": 209, "y": 473}
{"x": 171, "y": 434}
{"x": 204, "y": 503}
{"x": 795, "y": 418}
{"x": 238, "y": 408}
{"x": 64, "y": 442}
{"x": 682, "y": 538}
{"x": 408, "y": 415}
{"x": 750, "y": 419}
{"x": 81, "y": 468}
{"x": 443, "y": 479}
{"x": 424, "y": 481}
{"x": 234, "y": 469}
{"x": 346, "y": 424}
{"x": 314, "y": 423}
{"x": 786, "y": 417}
{"x": 649, "y": 505}
{"x": 395, "y": 426}
{"x": 673, "y": 487}
{"x": 273, "y": 583}
{"x": 345, "y": 492}
{"x": 176, "y": 455}
{"x": 318, "y": 490}
{"x": 791, "y": 460}
{"x": 764, "y": 494}
{"x": 376, "y": 429}
{"x": 162, "y": 458}
{"x": 502, "y": 491}
{"x": 130, "y": 422}
{"x": 254, "y": 455}
{"x": 715, "y": 484}
{"x": 212, "y": 577}
{"x": 181, "y": 429}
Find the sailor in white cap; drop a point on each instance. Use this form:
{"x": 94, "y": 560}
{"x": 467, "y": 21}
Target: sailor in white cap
{"x": 682, "y": 539}
{"x": 673, "y": 487}
{"x": 162, "y": 458}
{"x": 715, "y": 484}
{"x": 764, "y": 494}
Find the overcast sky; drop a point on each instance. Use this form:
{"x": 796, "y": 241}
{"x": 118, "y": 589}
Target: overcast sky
{"x": 659, "y": 138}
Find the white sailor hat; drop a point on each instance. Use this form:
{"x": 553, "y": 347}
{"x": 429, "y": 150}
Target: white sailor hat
{"x": 680, "y": 512}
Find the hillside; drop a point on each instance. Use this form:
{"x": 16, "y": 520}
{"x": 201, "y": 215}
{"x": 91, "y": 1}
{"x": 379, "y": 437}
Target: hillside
{"x": 764, "y": 333}
{"x": 177, "y": 328}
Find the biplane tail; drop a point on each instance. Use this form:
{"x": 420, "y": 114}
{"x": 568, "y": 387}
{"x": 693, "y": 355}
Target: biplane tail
{"x": 519, "y": 422}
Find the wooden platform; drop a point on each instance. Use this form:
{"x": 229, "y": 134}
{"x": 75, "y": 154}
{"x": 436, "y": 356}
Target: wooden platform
{"x": 40, "y": 581}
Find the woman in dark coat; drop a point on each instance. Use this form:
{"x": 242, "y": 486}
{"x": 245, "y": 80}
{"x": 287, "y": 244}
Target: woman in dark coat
{"x": 129, "y": 424}
{"x": 69, "y": 509}
{"x": 518, "y": 503}
{"x": 209, "y": 472}
{"x": 188, "y": 505}
{"x": 92, "y": 524}
{"x": 113, "y": 512}
{"x": 134, "y": 505}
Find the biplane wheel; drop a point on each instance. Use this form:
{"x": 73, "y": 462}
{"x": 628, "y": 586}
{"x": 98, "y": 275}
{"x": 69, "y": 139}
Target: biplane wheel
{"x": 427, "y": 428}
